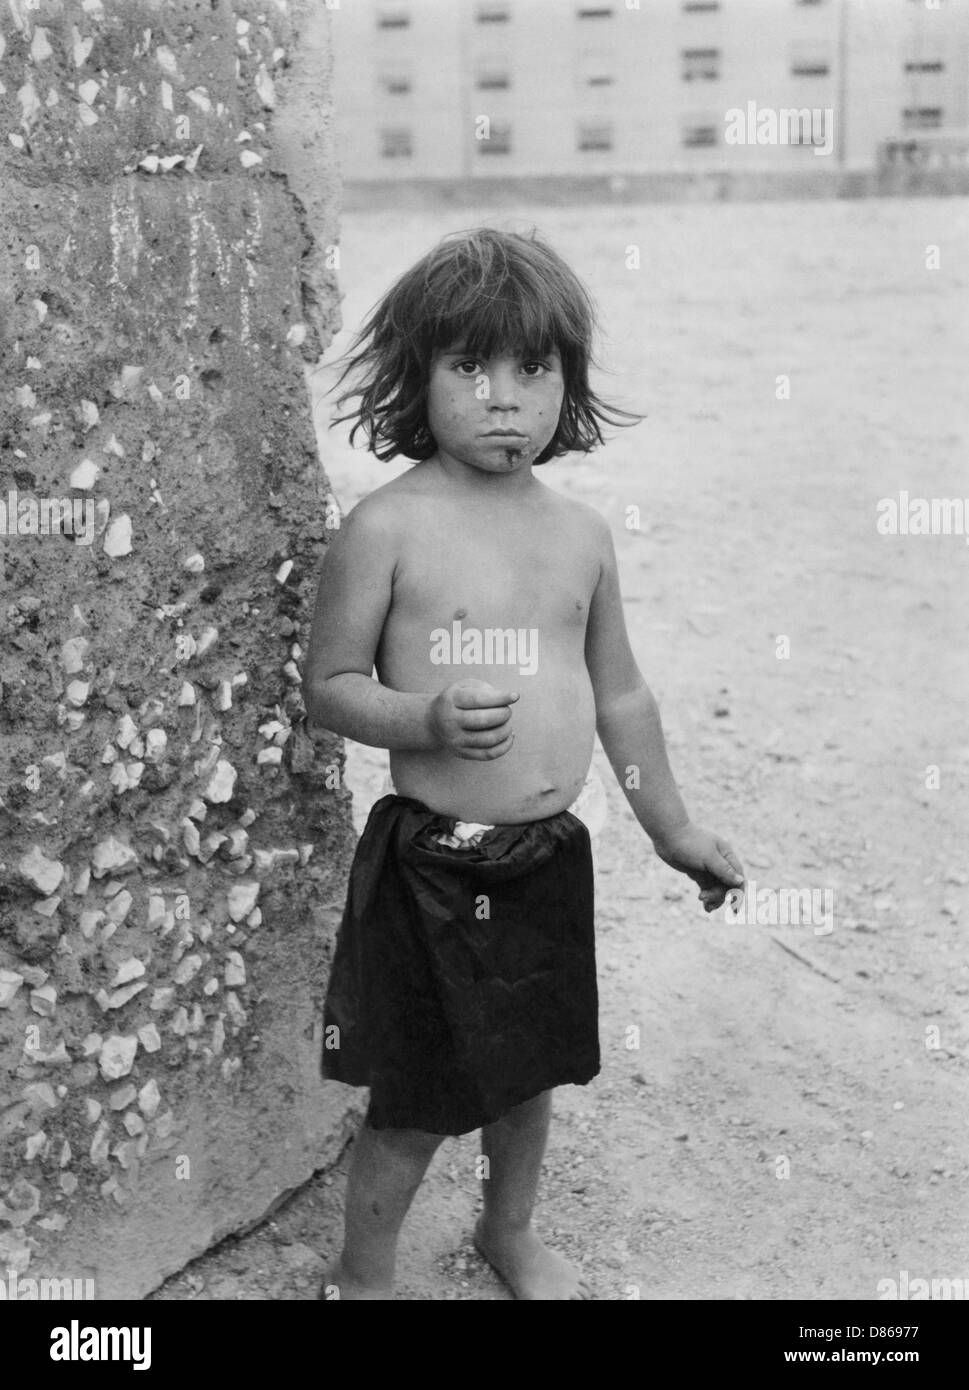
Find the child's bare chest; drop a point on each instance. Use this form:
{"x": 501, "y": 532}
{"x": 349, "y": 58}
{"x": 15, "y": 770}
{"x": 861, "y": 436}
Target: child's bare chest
{"x": 504, "y": 575}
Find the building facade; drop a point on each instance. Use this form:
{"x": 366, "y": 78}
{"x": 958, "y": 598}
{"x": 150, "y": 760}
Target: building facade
{"x": 459, "y": 89}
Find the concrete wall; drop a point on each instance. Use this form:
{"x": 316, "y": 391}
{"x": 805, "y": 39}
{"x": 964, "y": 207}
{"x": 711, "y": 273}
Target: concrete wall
{"x": 173, "y": 847}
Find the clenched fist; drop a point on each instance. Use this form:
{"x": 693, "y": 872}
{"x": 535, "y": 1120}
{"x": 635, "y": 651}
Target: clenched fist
{"x": 471, "y": 719}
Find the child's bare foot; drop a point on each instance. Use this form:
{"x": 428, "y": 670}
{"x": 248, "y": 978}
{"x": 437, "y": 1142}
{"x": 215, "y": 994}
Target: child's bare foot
{"x": 337, "y": 1285}
{"x": 528, "y": 1267}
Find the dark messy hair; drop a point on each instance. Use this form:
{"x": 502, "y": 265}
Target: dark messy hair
{"x": 489, "y": 291}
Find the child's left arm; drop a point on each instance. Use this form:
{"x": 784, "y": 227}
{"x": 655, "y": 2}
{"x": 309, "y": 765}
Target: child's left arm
{"x": 629, "y": 727}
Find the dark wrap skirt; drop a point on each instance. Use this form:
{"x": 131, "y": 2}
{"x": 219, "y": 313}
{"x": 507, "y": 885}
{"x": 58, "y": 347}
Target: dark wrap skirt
{"x": 464, "y": 980}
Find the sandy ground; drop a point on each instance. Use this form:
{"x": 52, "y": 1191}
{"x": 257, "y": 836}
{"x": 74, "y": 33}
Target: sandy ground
{"x": 787, "y": 1127}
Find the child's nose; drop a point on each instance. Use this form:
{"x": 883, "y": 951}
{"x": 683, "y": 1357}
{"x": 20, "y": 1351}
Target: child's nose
{"x": 504, "y": 390}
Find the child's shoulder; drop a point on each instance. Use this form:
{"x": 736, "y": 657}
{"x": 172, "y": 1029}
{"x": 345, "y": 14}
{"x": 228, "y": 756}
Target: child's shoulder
{"x": 382, "y": 508}
{"x": 583, "y": 520}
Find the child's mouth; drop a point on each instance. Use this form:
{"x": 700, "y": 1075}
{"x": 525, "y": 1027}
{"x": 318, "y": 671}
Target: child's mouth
{"x": 512, "y": 445}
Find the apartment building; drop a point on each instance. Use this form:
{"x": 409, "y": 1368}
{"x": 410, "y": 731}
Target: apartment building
{"x": 458, "y": 89}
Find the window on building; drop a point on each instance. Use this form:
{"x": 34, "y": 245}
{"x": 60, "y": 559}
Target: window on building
{"x": 393, "y": 19}
{"x": 492, "y": 14}
{"x": 499, "y": 140}
{"x": 922, "y": 117}
{"x": 809, "y": 128}
{"x": 700, "y": 64}
{"x": 492, "y": 76}
{"x": 810, "y": 60}
{"x": 396, "y": 142}
{"x": 595, "y": 135}
{"x": 925, "y": 65}
{"x": 699, "y": 131}
{"x": 595, "y": 70}
{"x": 394, "y": 81}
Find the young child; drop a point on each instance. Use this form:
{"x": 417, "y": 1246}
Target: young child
{"x": 463, "y": 988}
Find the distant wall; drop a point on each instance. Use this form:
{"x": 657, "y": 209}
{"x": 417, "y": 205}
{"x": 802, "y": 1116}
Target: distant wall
{"x": 173, "y": 847}
{"x": 706, "y": 186}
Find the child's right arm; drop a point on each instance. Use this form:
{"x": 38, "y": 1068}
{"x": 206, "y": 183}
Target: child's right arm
{"x": 352, "y": 603}
{"x": 340, "y": 693}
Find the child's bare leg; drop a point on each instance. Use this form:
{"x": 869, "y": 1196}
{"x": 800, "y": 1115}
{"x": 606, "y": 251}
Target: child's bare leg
{"x": 385, "y": 1171}
{"x": 515, "y": 1147}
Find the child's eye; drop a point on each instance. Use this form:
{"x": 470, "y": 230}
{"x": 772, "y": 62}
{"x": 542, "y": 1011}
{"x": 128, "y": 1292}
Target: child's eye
{"x": 541, "y": 367}
{"x": 469, "y": 367}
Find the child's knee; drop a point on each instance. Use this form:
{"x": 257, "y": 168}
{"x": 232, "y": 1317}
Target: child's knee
{"x": 407, "y": 1143}
{"x": 537, "y": 1109}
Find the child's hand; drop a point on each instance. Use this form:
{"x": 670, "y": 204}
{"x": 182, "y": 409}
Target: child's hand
{"x": 705, "y": 858}
{"x": 469, "y": 719}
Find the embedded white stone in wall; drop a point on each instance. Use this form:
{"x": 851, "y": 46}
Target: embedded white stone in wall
{"x": 117, "y": 1056}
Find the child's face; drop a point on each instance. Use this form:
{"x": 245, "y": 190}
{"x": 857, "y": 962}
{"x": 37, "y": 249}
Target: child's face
{"x": 498, "y": 414}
